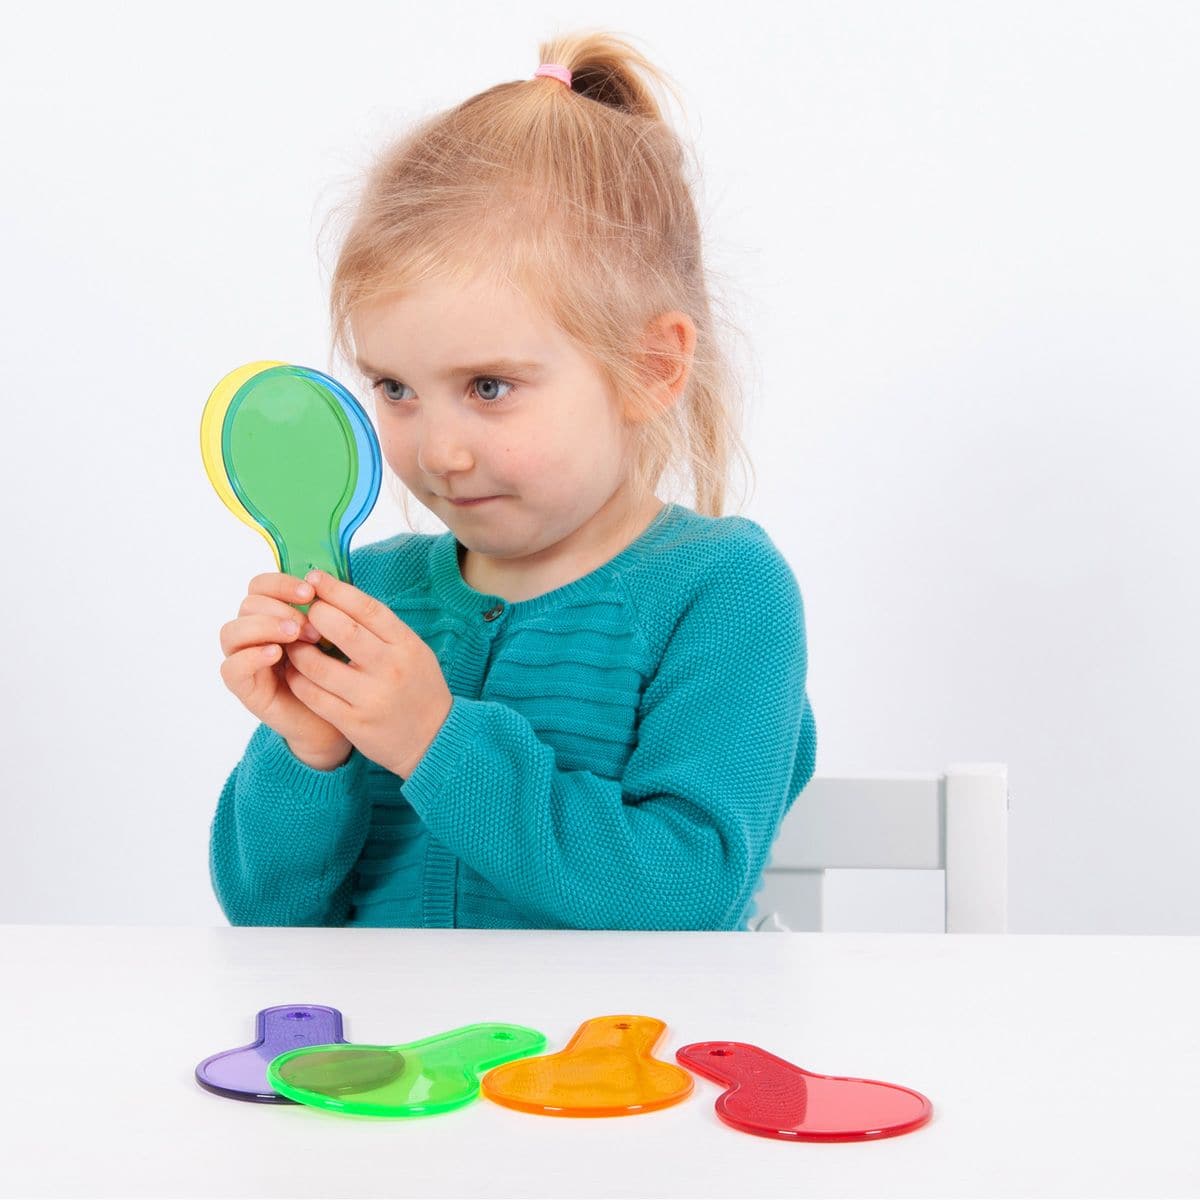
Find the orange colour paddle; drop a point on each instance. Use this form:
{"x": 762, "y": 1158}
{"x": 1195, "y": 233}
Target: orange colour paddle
{"x": 605, "y": 1070}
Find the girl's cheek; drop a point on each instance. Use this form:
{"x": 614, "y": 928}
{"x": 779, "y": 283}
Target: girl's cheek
{"x": 396, "y": 451}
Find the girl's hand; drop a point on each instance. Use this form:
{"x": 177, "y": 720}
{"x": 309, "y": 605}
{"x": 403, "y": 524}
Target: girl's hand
{"x": 254, "y": 667}
{"x": 391, "y": 698}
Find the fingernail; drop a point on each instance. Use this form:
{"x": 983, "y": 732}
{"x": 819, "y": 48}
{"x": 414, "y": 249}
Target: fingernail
{"x": 303, "y": 591}
{"x": 313, "y": 577}
{"x": 290, "y": 628}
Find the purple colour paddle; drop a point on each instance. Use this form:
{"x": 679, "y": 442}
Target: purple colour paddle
{"x": 241, "y": 1074}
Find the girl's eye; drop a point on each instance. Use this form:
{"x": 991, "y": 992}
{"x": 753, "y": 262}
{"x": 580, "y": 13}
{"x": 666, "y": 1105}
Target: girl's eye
{"x": 393, "y": 389}
{"x": 489, "y": 381}
{"x": 389, "y": 388}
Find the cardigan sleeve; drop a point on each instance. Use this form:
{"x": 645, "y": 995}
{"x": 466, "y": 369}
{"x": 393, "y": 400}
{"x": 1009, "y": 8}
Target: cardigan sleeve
{"x": 286, "y": 836}
{"x": 680, "y": 840}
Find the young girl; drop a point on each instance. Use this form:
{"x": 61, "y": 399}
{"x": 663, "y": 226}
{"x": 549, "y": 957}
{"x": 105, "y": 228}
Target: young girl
{"x": 581, "y": 707}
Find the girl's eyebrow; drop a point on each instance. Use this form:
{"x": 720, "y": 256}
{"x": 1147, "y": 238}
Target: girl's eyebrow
{"x": 499, "y": 366}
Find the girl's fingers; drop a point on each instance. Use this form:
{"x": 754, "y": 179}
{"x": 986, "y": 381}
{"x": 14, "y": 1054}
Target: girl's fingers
{"x": 327, "y": 673}
{"x": 263, "y": 606}
{"x": 307, "y": 676}
{"x": 283, "y": 604}
{"x": 361, "y": 626}
{"x": 281, "y": 587}
{"x": 239, "y": 670}
{"x": 277, "y": 626}
{"x": 267, "y": 604}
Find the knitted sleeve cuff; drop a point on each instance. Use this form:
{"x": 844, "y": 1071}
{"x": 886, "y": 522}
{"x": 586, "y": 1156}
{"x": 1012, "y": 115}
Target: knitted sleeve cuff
{"x": 438, "y": 764}
{"x": 269, "y": 755}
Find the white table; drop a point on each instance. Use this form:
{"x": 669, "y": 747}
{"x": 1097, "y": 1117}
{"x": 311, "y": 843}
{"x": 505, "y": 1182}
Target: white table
{"x": 1057, "y": 1066}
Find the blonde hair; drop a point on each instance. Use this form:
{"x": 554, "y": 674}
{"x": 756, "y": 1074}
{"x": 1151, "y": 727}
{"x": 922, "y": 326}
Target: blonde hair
{"x": 579, "y": 198}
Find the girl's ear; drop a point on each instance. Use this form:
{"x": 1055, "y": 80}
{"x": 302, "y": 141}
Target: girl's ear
{"x": 668, "y": 346}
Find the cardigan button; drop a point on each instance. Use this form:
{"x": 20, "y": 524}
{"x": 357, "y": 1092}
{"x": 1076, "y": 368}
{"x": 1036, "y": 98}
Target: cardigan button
{"x": 493, "y": 613}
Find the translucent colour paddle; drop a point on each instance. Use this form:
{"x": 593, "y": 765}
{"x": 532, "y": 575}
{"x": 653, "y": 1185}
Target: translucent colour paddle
{"x": 416, "y": 1079}
{"x": 291, "y": 456}
{"x": 370, "y": 459}
{"x": 774, "y": 1098}
{"x": 241, "y": 1074}
{"x": 284, "y": 413}
{"x": 212, "y": 430}
{"x": 212, "y": 421}
{"x": 605, "y": 1070}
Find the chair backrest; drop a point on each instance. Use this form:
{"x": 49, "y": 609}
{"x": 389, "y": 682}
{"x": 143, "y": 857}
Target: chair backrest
{"x": 956, "y": 822}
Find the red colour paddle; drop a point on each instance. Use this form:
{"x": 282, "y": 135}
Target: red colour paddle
{"x": 771, "y": 1097}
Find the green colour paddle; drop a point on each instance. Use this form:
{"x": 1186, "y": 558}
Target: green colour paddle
{"x": 418, "y": 1079}
{"x": 292, "y": 460}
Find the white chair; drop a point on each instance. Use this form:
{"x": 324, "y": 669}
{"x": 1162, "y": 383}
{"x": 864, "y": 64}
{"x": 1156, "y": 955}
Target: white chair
{"x": 956, "y": 822}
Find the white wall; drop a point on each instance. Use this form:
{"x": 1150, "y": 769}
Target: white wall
{"x": 962, "y": 242}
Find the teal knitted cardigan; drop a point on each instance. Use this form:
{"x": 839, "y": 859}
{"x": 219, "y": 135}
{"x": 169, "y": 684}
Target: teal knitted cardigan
{"x": 619, "y": 752}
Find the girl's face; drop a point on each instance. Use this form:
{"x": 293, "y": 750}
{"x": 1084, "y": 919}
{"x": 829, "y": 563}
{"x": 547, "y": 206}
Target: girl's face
{"x": 478, "y": 395}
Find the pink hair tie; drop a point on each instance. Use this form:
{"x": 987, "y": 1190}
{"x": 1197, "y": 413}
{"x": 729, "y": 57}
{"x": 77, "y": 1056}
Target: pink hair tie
{"x": 554, "y": 71}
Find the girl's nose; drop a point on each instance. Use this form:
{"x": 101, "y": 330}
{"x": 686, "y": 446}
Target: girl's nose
{"x": 442, "y": 448}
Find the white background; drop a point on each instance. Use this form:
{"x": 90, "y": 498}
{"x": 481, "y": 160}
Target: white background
{"x": 960, "y": 238}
